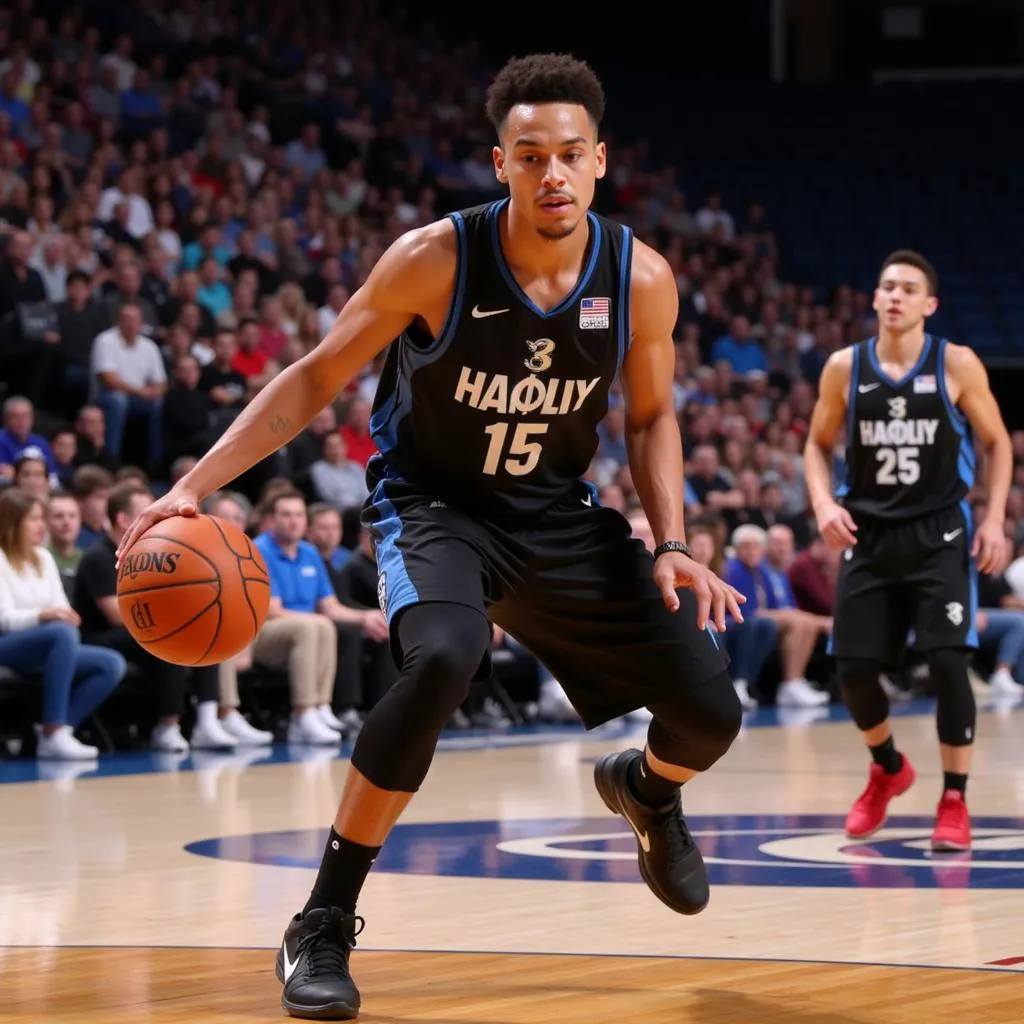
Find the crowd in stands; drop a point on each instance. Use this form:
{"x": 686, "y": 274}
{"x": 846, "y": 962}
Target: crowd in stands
{"x": 189, "y": 194}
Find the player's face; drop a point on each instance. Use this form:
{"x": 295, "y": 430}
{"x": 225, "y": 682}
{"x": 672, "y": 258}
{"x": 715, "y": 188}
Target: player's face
{"x": 551, "y": 160}
{"x": 902, "y": 300}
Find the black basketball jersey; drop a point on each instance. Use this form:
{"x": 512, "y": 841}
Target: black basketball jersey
{"x": 909, "y": 451}
{"x": 499, "y": 414}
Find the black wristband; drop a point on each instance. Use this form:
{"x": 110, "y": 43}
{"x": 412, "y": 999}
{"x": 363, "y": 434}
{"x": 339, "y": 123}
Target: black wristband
{"x": 671, "y": 545}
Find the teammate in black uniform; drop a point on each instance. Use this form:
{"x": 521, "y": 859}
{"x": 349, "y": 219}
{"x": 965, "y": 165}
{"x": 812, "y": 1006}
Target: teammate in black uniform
{"x": 911, "y": 403}
{"x": 512, "y": 321}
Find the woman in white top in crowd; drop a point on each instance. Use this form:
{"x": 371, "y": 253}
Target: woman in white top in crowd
{"x": 39, "y": 631}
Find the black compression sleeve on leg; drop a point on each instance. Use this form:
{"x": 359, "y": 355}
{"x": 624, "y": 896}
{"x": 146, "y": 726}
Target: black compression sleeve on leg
{"x": 442, "y": 647}
{"x": 697, "y": 726}
{"x": 957, "y": 710}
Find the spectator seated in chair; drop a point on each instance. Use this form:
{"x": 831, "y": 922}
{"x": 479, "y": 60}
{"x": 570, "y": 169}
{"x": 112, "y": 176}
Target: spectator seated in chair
{"x": 39, "y": 632}
{"x": 769, "y": 598}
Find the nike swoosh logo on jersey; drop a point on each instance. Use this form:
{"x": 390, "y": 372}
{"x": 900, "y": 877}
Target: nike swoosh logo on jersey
{"x": 947, "y": 537}
{"x": 865, "y": 388}
{"x": 587, "y": 500}
{"x": 481, "y": 314}
{"x": 289, "y": 966}
{"x": 645, "y": 843}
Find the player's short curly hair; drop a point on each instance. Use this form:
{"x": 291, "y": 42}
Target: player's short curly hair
{"x": 544, "y": 78}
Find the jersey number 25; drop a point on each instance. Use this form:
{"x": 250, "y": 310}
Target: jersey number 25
{"x": 898, "y": 465}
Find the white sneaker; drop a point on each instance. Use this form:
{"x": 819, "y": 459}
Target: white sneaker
{"x": 168, "y": 739}
{"x": 351, "y": 721}
{"x": 329, "y": 718}
{"x": 554, "y": 705}
{"x": 978, "y": 685}
{"x": 1002, "y": 684}
{"x": 746, "y": 701}
{"x": 211, "y": 735}
{"x": 63, "y": 745}
{"x": 309, "y": 728}
{"x": 247, "y": 735}
{"x": 798, "y": 693}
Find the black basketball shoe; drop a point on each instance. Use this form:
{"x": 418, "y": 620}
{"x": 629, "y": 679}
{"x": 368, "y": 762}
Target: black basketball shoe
{"x": 670, "y": 862}
{"x": 312, "y": 964}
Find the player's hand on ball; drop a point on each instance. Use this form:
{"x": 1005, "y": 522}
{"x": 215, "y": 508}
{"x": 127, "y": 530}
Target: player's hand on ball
{"x": 178, "y": 501}
{"x": 991, "y": 548}
{"x": 836, "y": 525}
{"x": 714, "y": 596}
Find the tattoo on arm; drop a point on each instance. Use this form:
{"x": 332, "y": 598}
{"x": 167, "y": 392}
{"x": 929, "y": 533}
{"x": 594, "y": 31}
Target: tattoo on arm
{"x": 280, "y": 424}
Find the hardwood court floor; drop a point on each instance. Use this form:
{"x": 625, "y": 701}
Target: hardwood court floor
{"x": 156, "y": 889}
{"x": 175, "y": 986}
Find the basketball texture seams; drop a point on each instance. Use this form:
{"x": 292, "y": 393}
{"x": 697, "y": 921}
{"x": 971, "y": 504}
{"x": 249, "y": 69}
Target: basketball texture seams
{"x": 193, "y": 591}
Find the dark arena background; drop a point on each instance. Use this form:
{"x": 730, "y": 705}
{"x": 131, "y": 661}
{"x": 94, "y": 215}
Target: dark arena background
{"x": 191, "y": 191}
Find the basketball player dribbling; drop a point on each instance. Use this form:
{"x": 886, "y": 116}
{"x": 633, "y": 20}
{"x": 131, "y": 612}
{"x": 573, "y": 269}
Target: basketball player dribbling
{"x": 911, "y": 403}
{"x": 512, "y": 319}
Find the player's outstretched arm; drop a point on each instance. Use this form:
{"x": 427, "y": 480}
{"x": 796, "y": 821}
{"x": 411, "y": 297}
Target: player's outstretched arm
{"x": 413, "y": 278}
{"x": 835, "y": 523}
{"x": 653, "y": 440}
{"x": 974, "y": 397}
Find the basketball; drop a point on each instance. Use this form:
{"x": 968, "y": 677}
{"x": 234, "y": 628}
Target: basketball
{"x": 193, "y": 591}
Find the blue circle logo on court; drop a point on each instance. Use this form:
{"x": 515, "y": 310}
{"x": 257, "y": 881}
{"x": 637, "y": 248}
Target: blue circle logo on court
{"x": 783, "y": 850}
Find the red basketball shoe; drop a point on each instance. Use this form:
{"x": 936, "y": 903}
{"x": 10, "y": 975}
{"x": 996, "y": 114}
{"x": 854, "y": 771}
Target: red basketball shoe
{"x": 868, "y": 814}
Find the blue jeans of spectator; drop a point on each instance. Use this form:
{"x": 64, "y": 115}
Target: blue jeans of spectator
{"x": 77, "y": 679}
{"x": 749, "y": 643}
{"x": 120, "y": 409}
{"x": 1005, "y": 632}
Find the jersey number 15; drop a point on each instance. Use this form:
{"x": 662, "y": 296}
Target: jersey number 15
{"x": 522, "y": 453}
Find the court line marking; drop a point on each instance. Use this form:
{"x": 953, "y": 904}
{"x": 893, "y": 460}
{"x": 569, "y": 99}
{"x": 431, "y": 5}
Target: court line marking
{"x": 903, "y": 965}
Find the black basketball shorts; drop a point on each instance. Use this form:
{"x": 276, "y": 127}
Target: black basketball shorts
{"x": 901, "y": 577}
{"x": 573, "y": 586}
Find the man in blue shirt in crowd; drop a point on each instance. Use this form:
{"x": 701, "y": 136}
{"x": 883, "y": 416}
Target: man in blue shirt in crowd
{"x": 308, "y": 629}
{"x": 739, "y": 349}
{"x": 773, "y": 618}
{"x": 16, "y": 435}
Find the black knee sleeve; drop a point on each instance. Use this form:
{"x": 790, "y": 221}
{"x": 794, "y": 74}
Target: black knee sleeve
{"x": 442, "y": 646}
{"x": 862, "y": 692}
{"x": 697, "y": 727}
{"x": 957, "y": 710}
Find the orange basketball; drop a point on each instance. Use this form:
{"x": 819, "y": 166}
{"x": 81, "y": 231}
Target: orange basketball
{"x": 193, "y": 591}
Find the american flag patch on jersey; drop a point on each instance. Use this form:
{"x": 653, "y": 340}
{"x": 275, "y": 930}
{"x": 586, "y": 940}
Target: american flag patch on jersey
{"x": 595, "y": 314}
{"x": 925, "y": 384}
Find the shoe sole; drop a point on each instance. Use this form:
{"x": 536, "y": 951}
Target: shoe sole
{"x": 325, "y": 1011}
{"x": 606, "y": 791}
{"x": 881, "y": 824}
{"x": 946, "y": 846}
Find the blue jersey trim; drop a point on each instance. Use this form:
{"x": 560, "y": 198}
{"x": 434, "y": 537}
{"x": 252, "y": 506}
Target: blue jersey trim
{"x": 499, "y": 255}
{"x": 851, "y": 422}
{"x": 967, "y": 461}
{"x": 451, "y": 323}
{"x": 394, "y": 582}
{"x": 625, "y": 296}
{"x": 914, "y": 370}
{"x": 384, "y": 423}
{"x": 972, "y": 632}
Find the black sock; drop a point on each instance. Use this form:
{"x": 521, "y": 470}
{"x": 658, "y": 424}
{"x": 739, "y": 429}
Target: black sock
{"x": 342, "y": 874}
{"x": 887, "y": 756}
{"x": 954, "y": 780}
{"x": 648, "y": 786}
